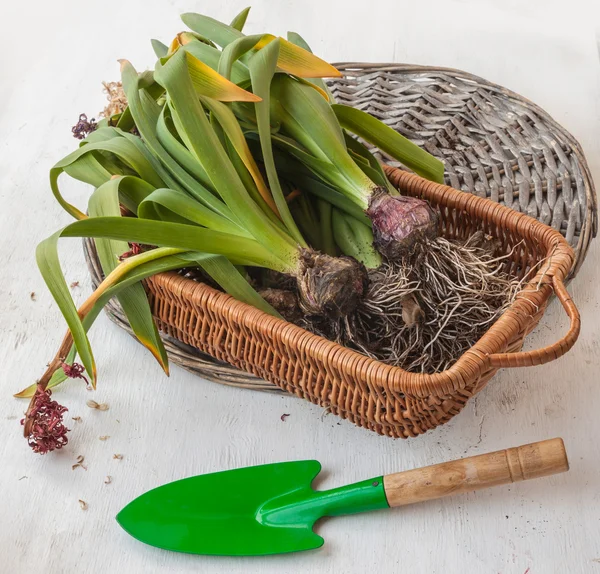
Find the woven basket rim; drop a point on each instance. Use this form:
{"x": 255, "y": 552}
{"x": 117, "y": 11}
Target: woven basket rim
{"x": 474, "y": 361}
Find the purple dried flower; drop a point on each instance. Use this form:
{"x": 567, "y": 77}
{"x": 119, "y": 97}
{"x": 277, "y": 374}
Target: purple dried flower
{"x": 136, "y": 249}
{"x": 83, "y": 127}
{"x": 43, "y": 422}
{"x": 75, "y": 371}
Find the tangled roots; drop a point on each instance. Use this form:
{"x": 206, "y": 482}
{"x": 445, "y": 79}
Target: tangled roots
{"x": 423, "y": 312}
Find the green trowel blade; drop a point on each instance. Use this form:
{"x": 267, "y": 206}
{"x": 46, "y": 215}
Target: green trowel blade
{"x": 258, "y": 510}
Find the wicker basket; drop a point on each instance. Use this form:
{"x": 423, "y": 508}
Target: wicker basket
{"x": 495, "y": 144}
{"x": 385, "y": 399}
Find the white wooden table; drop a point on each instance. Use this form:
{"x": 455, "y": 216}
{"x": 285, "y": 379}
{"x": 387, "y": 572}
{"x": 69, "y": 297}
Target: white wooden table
{"x": 54, "y": 56}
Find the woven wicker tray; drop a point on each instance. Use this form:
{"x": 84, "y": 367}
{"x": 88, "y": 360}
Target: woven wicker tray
{"x": 494, "y": 143}
{"x": 382, "y": 398}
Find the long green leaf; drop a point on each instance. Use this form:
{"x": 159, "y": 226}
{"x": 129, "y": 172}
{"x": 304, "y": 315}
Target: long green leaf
{"x": 49, "y": 266}
{"x": 239, "y": 250}
{"x": 94, "y": 173}
{"x": 262, "y": 67}
{"x": 374, "y": 171}
{"x": 189, "y": 210}
{"x": 232, "y": 130}
{"x": 390, "y": 141}
{"x": 165, "y": 130}
{"x": 134, "y": 302}
{"x": 310, "y": 119}
{"x": 232, "y": 52}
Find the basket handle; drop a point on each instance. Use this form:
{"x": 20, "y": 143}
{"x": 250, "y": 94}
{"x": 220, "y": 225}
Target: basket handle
{"x": 551, "y": 352}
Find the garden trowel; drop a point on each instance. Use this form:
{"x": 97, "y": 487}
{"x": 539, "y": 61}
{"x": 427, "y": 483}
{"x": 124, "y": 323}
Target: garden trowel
{"x": 272, "y": 508}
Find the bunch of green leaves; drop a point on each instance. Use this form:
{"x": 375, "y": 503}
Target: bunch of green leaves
{"x": 203, "y": 160}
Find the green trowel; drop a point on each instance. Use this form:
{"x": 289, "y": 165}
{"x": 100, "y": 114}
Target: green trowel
{"x": 272, "y": 508}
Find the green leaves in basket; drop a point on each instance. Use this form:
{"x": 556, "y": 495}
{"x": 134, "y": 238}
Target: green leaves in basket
{"x": 204, "y": 144}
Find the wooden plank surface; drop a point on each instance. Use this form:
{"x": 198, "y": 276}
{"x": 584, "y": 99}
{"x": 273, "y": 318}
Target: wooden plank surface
{"x": 54, "y": 56}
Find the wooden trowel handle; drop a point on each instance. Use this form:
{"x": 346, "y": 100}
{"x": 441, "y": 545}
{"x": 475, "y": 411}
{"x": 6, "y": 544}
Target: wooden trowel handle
{"x": 502, "y": 467}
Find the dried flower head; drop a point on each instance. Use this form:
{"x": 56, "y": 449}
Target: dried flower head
{"x": 136, "y": 249}
{"x": 117, "y": 100}
{"x": 43, "y": 423}
{"x": 83, "y": 127}
{"x": 75, "y": 371}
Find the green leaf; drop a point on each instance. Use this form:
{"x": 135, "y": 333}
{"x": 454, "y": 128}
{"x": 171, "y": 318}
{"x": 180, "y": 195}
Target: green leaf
{"x": 159, "y": 48}
{"x": 83, "y": 164}
{"x": 189, "y": 210}
{"x": 239, "y": 21}
{"x": 239, "y": 250}
{"x": 325, "y": 223}
{"x": 308, "y": 118}
{"x": 308, "y": 181}
{"x": 355, "y": 239}
{"x": 49, "y": 266}
{"x": 374, "y": 171}
{"x": 390, "y": 141}
{"x": 232, "y": 52}
{"x": 231, "y": 128}
{"x": 262, "y": 67}
{"x": 211, "y": 57}
{"x": 165, "y": 131}
{"x": 295, "y": 38}
{"x": 221, "y": 34}
{"x": 134, "y": 302}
